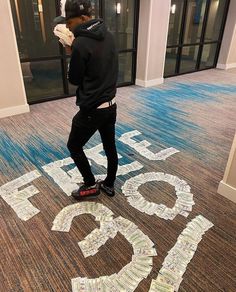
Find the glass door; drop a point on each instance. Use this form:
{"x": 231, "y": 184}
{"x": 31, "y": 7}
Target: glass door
{"x": 195, "y": 35}
{"x": 41, "y": 56}
{"x": 121, "y": 19}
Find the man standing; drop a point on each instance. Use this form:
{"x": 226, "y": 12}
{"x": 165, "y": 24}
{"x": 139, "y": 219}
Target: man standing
{"x": 94, "y": 69}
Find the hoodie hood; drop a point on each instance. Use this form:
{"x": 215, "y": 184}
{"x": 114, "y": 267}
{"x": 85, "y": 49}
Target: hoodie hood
{"x": 94, "y": 29}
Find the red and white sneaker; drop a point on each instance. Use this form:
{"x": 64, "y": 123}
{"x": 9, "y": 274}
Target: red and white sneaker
{"x": 84, "y": 192}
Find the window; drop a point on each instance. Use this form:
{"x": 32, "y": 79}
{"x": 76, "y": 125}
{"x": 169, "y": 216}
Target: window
{"x": 43, "y": 60}
{"x": 120, "y": 17}
{"x": 195, "y": 35}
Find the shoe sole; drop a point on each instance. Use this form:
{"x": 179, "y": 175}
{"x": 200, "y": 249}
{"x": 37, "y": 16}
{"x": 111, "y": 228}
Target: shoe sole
{"x": 108, "y": 194}
{"x": 84, "y": 197}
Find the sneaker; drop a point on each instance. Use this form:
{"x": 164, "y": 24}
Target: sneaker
{"x": 84, "y": 192}
{"x": 110, "y": 191}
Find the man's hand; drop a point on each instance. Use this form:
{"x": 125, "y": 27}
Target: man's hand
{"x": 66, "y": 37}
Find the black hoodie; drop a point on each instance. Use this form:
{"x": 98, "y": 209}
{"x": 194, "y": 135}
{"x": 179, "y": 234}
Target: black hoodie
{"x": 94, "y": 65}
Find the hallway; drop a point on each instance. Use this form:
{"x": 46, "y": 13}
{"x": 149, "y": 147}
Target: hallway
{"x": 191, "y": 115}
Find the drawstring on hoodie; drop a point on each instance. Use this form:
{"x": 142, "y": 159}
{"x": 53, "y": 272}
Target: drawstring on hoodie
{"x": 93, "y": 25}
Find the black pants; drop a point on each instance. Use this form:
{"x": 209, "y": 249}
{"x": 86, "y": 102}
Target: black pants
{"x": 83, "y": 128}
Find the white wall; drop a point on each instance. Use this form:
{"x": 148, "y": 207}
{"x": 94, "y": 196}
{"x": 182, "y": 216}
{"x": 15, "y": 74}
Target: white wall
{"x": 227, "y": 57}
{"x": 227, "y": 187}
{"x": 232, "y": 50}
{"x": 152, "y": 40}
{"x": 12, "y": 92}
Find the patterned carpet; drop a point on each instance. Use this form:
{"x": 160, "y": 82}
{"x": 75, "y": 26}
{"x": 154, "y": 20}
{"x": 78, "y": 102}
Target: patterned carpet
{"x": 194, "y": 114}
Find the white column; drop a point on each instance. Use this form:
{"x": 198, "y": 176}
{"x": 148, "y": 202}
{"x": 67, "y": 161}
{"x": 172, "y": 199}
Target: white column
{"x": 152, "y": 40}
{"x": 227, "y": 57}
{"x": 227, "y": 187}
{"x": 12, "y": 92}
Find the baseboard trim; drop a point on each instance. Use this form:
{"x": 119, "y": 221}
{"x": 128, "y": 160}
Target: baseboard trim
{"x": 221, "y": 66}
{"x": 15, "y": 110}
{"x": 226, "y": 66}
{"x": 149, "y": 83}
{"x": 227, "y": 191}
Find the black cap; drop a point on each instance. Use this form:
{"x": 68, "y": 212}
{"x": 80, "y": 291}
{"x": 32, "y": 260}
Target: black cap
{"x": 75, "y": 8}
